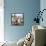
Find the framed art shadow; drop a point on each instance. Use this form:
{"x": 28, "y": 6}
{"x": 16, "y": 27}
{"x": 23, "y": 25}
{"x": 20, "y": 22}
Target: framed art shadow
{"x": 17, "y": 19}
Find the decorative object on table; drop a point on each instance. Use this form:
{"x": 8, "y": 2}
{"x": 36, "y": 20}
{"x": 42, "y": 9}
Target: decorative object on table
{"x": 39, "y": 16}
{"x": 17, "y": 19}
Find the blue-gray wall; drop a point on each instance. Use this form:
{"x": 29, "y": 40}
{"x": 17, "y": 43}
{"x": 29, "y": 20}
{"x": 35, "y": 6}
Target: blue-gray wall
{"x": 43, "y": 6}
{"x": 29, "y": 8}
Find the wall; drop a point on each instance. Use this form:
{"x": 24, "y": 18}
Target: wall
{"x": 1, "y": 21}
{"x": 43, "y": 6}
{"x": 28, "y": 7}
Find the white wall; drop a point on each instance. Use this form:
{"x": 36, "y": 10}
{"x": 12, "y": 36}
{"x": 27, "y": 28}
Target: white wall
{"x": 1, "y": 20}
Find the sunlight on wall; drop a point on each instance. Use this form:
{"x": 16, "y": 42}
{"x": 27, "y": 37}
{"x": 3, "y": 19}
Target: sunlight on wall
{"x": 1, "y": 25}
{"x": 1, "y": 21}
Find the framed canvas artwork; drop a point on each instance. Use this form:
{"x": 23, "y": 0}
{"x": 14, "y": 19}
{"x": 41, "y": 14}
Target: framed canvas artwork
{"x": 17, "y": 19}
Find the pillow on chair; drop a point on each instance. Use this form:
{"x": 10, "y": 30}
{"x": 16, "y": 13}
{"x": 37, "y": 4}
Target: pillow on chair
{"x": 21, "y": 42}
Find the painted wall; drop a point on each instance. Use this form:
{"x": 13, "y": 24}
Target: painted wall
{"x": 28, "y": 7}
{"x": 43, "y": 6}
